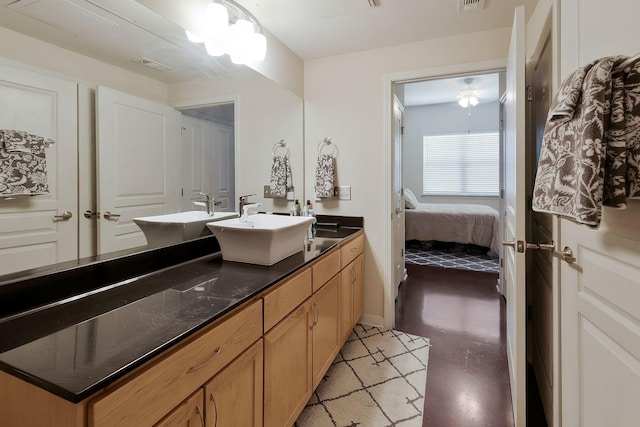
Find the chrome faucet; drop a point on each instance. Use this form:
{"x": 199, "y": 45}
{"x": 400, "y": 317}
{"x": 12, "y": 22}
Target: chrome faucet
{"x": 208, "y": 203}
{"x": 245, "y": 211}
{"x": 243, "y": 201}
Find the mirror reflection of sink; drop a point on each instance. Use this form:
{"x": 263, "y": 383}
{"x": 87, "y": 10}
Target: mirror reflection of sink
{"x": 162, "y": 230}
{"x": 263, "y": 239}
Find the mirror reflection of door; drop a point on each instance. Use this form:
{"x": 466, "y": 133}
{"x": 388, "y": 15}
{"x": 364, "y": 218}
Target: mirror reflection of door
{"x": 208, "y": 156}
{"x": 40, "y": 229}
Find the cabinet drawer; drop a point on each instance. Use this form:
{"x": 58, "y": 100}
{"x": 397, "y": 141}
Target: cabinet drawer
{"x": 325, "y": 269}
{"x": 351, "y": 250}
{"x": 146, "y": 397}
{"x": 286, "y": 298}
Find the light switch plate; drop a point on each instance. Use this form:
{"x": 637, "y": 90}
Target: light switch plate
{"x": 344, "y": 192}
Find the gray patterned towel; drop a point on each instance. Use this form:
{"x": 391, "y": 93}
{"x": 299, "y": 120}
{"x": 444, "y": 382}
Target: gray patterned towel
{"x": 586, "y": 150}
{"x": 23, "y": 164}
{"x": 281, "y": 180}
{"x": 325, "y": 174}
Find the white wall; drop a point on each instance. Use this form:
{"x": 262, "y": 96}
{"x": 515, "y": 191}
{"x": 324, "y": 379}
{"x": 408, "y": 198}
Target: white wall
{"x": 265, "y": 114}
{"x": 344, "y": 99}
{"x": 441, "y": 119}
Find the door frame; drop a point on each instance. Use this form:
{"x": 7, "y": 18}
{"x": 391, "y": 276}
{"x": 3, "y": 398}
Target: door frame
{"x": 389, "y": 80}
{"x": 218, "y": 100}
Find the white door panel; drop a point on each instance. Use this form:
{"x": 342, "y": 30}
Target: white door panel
{"x": 515, "y": 213}
{"x": 208, "y": 150}
{"x": 29, "y": 235}
{"x": 600, "y": 291}
{"x": 138, "y": 167}
{"x": 600, "y": 328}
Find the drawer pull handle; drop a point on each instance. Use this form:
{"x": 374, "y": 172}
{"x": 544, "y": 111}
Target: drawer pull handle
{"x": 195, "y": 368}
{"x": 215, "y": 410}
{"x": 199, "y": 412}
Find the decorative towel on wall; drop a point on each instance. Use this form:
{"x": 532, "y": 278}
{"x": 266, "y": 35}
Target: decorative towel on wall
{"x": 325, "y": 175}
{"x": 23, "y": 165}
{"x": 281, "y": 180}
{"x": 584, "y": 145}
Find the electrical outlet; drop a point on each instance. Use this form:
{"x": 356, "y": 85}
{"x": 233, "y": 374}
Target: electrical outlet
{"x": 267, "y": 192}
{"x": 344, "y": 192}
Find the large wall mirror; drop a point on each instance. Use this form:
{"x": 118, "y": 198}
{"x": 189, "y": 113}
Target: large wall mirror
{"x": 59, "y": 68}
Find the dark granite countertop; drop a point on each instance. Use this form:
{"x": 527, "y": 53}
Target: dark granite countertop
{"x": 77, "y": 344}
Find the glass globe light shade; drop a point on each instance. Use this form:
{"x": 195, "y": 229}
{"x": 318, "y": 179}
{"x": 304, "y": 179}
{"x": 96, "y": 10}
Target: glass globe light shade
{"x": 258, "y": 47}
{"x": 216, "y": 21}
{"x": 241, "y": 35}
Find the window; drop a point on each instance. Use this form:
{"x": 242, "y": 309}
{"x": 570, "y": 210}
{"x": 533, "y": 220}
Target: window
{"x": 466, "y": 164}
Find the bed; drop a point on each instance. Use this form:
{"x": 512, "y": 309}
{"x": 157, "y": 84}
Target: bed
{"x": 459, "y": 223}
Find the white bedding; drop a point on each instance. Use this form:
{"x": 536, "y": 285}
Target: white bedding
{"x": 459, "y": 223}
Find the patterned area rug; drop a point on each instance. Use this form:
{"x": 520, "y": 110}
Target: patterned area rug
{"x": 452, "y": 255}
{"x": 377, "y": 380}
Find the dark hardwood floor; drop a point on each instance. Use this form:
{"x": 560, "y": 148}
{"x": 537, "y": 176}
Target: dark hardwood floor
{"x": 464, "y": 316}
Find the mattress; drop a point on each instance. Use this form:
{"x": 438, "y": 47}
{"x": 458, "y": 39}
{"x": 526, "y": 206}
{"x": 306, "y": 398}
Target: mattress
{"x": 459, "y": 223}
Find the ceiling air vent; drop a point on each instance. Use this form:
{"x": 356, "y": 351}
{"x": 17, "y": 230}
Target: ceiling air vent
{"x": 465, "y": 6}
{"x": 153, "y": 64}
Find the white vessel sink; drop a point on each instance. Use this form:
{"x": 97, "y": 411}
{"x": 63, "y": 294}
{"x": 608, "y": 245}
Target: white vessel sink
{"x": 263, "y": 239}
{"x": 162, "y": 230}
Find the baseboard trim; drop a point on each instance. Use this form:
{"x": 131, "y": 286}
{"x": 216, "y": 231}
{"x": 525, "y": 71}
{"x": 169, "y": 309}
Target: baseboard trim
{"x": 371, "y": 320}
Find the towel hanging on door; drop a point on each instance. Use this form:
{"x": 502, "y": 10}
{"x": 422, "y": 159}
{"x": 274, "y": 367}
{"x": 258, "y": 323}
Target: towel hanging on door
{"x": 23, "y": 163}
{"x": 590, "y": 154}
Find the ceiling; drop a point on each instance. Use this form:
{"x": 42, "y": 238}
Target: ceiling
{"x": 124, "y": 32}
{"x": 447, "y": 90}
{"x": 319, "y": 28}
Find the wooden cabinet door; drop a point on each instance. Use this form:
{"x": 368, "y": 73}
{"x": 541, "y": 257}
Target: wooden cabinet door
{"x": 234, "y": 396}
{"x": 346, "y": 302}
{"x": 358, "y": 289}
{"x": 188, "y": 414}
{"x": 325, "y": 311}
{"x": 287, "y": 368}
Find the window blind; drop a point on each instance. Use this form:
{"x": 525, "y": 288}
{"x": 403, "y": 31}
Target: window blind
{"x": 464, "y": 164}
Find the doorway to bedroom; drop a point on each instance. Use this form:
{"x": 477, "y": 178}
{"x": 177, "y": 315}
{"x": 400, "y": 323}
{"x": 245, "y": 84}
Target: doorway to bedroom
{"x": 452, "y": 170}
{"x": 451, "y": 175}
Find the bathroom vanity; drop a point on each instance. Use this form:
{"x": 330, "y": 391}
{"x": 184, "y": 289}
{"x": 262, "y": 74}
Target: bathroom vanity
{"x": 177, "y": 335}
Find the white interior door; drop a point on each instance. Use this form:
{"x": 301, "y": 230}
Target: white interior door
{"x": 30, "y": 236}
{"x": 514, "y": 216}
{"x": 398, "y": 193}
{"x": 208, "y": 162}
{"x": 600, "y": 291}
{"x": 138, "y": 165}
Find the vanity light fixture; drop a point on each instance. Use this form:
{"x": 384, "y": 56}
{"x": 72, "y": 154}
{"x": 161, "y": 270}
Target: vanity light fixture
{"x": 225, "y": 27}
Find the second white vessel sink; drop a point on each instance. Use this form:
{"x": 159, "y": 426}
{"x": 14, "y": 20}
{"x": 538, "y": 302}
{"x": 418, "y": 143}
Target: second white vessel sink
{"x": 162, "y": 230}
{"x": 263, "y": 239}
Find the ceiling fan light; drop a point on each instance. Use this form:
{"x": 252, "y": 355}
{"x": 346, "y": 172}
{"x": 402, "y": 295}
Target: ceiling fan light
{"x": 473, "y": 101}
{"x": 464, "y": 102}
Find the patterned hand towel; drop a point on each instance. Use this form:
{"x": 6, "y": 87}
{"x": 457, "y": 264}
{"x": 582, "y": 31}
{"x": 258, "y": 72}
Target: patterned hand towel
{"x": 325, "y": 175}
{"x": 23, "y": 165}
{"x": 281, "y": 180}
{"x": 570, "y": 177}
{"x": 622, "y": 163}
